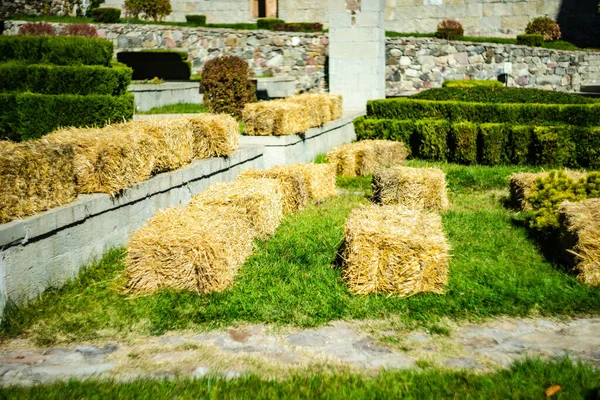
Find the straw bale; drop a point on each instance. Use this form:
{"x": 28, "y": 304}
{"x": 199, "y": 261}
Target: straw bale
{"x": 580, "y": 228}
{"x": 317, "y": 107}
{"x": 108, "y": 160}
{"x": 521, "y": 185}
{"x": 336, "y": 106}
{"x": 34, "y": 177}
{"x": 175, "y": 140}
{"x": 292, "y": 183}
{"x": 363, "y": 157}
{"x": 274, "y": 118}
{"x": 188, "y": 249}
{"x": 320, "y": 180}
{"x": 422, "y": 188}
{"x": 394, "y": 249}
{"x": 215, "y": 135}
{"x": 259, "y": 199}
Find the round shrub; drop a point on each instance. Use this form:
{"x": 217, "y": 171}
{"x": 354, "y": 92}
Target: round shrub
{"x": 449, "y": 29}
{"x": 37, "y": 29}
{"x": 84, "y": 30}
{"x": 545, "y": 26}
{"x": 226, "y": 86}
{"x": 155, "y": 9}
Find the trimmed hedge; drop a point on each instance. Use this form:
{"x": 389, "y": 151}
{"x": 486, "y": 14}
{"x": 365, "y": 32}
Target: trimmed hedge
{"x": 268, "y": 23}
{"x": 468, "y": 83}
{"x": 58, "y": 50}
{"x": 489, "y": 143}
{"x": 533, "y": 40}
{"x": 502, "y": 95}
{"x": 29, "y": 116}
{"x": 52, "y": 79}
{"x": 164, "y": 64}
{"x": 106, "y": 15}
{"x": 198, "y": 20}
{"x": 516, "y": 114}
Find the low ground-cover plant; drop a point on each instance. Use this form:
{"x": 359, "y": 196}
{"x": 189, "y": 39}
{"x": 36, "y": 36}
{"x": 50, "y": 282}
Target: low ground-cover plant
{"x": 85, "y": 30}
{"x": 470, "y": 83}
{"x": 37, "y": 29}
{"x": 226, "y": 86}
{"x": 499, "y": 94}
{"x": 289, "y": 279}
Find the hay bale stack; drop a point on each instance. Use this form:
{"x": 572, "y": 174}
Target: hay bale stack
{"x": 34, "y": 177}
{"x": 336, "y": 106}
{"x": 274, "y": 118}
{"x": 292, "y": 185}
{"x": 320, "y": 180}
{"x": 317, "y": 107}
{"x": 521, "y": 185}
{"x": 108, "y": 160}
{"x": 259, "y": 200}
{"x": 393, "y": 249}
{"x": 175, "y": 140}
{"x": 215, "y": 135}
{"x": 185, "y": 249}
{"x": 580, "y": 234}
{"x": 420, "y": 188}
{"x": 363, "y": 157}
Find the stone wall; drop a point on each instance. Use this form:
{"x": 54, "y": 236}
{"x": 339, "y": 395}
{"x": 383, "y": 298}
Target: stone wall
{"x": 414, "y": 64}
{"x": 37, "y": 7}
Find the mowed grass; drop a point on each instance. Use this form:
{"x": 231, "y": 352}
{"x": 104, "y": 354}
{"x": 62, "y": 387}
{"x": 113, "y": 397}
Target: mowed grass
{"x": 524, "y": 380}
{"x": 495, "y": 270}
{"x": 183, "y": 108}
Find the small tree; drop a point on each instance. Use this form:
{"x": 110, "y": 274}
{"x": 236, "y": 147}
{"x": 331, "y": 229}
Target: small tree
{"x": 226, "y": 86}
{"x": 155, "y": 9}
{"x": 449, "y": 29}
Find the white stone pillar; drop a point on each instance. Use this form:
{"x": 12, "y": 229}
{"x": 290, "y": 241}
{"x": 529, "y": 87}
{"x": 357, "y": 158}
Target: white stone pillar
{"x": 357, "y": 51}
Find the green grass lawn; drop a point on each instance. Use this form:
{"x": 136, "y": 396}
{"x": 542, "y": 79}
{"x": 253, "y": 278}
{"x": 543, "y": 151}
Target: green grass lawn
{"x": 183, "y": 108}
{"x": 495, "y": 270}
{"x": 524, "y": 380}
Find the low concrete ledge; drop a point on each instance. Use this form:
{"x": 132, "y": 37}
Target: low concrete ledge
{"x": 48, "y": 249}
{"x": 292, "y": 149}
{"x": 149, "y": 96}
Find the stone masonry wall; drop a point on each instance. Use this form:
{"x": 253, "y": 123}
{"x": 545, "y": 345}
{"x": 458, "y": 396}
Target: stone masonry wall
{"x": 36, "y": 7}
{"x": 412, "y": 63}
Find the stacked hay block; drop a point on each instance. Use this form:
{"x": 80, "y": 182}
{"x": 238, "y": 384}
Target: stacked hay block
{"x": 35, "y": 177}
{"x": 215, "y": 135}
{"x": 421, "y": 188}
{"x": 292, "y": 116}
{"x": 107, "y": 160}
{"x": 364, "y": 157}
{"x": 580, "y": 234}
{"x": 258, "y": 199}
{"x": 393, "y": 249}
{"x": 188, "y": 249}
{"x": 521, "y": 185}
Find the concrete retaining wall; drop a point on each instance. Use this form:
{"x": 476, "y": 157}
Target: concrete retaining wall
{"x": 304, "y": 148}
{"x": 148, "y": 96}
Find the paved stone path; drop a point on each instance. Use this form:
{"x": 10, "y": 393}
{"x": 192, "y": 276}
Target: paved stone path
{"x": 353, "y": 346}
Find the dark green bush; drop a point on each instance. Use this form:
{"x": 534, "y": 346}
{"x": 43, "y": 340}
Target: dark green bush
{"x": 299, "y": 27}
{"x": 53, "y": 79}
{"x": 519, "y": 139}
{"x": 29, "y": 116}
{"x": 462, "y": 142}
{"x": 431, "y": 139}
{"x": 163, "y": 64}
{"x": 198, "y": 20}
{"x": 226, "y": 86}
{"x": 493, "y": 140}
{"x": 469, "y": 83}
{"x": 533, "y": 40}
{"x": 268, "y": 23}
{"x": 530, "y": 114}
{"x": 106, "y": 15}
{"x": 501, "y": 95}
{"x": 59, "y": 50}
{"x": 552, "y": 146}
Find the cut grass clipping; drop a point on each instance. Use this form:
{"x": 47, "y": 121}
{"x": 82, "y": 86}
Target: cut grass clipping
{"x": 394, "y": 249}
{"x": 421, "y": 188}
{"x": 495, "y": 269}
{"x": 364, "y": 157}
{"x": 580, "y": 222}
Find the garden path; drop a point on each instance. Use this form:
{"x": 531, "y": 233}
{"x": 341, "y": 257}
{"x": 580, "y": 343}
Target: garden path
{"x": 367, "y": 346}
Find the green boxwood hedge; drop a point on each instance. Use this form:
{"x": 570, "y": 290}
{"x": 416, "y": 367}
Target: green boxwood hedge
{"x": 30, "y": 116}
{"x": 516, "y": 114}
{"x": 58, "y": 50}
{"x": 502, "y": 95}
{"x": 489, "y": 143}
{"x": 53, "y": 79}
